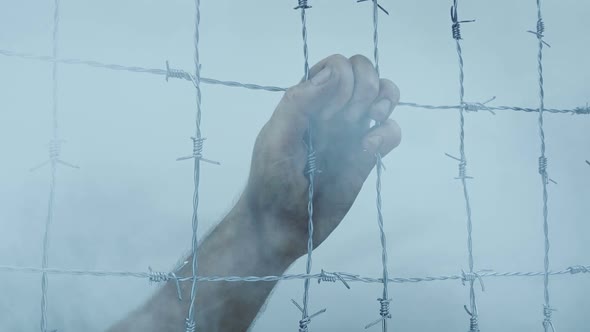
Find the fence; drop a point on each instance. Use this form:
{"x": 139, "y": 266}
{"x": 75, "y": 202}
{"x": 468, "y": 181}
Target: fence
{"x": 472, "y": 277}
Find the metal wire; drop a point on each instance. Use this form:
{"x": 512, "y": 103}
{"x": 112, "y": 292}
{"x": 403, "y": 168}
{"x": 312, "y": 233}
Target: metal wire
{"x": 54, "y": 155}
{"x": 310, "y": 172}
{"x": 349, "y": 277}
{"x": 384, "y": 300}
{"x": 582, "y": 110}
{"x": 547, "y": 309}
{"x": 473, "y": 313}
{"x": 197, "y": 149}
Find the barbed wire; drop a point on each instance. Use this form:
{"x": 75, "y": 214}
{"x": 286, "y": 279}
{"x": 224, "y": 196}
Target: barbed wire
{"x": 349, "y": 277}
{"x": 310, "y": 172}
{"x": 581, "y": 110}
{"x": 470, "y": 276}
{"x": 384, "y": 300}
{"x": 539, "y": 33}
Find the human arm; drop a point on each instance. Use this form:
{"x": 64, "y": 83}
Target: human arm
{"x": 267, "y": 229}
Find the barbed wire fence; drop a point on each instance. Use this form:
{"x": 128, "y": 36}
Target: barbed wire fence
{"x": 470, "y": 277}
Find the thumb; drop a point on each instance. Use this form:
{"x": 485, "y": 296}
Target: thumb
{"x": 301, "y": 102}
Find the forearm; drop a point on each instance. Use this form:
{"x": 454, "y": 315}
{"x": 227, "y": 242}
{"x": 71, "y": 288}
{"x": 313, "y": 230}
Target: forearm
{"x": 236, "y": 247}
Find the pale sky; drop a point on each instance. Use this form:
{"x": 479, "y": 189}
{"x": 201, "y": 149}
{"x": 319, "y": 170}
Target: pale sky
{"x": 129, "y": 205}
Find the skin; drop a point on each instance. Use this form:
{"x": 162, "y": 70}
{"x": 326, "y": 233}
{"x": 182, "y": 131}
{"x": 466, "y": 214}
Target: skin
{"x": 266, "y": 231}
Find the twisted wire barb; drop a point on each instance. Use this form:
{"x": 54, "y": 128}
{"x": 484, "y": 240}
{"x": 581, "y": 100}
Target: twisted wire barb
{"x": 547, "y": 310}
{"x": 157, "y": 277}
{"x": 335, "y": 276}
{"x": 456, "y": 30}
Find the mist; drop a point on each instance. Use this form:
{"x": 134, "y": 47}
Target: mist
{"x": 128, "y": 207}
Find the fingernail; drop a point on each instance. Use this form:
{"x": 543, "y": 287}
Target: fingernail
{"x": 373, "y": 143}
{"x": 322, "y": 77}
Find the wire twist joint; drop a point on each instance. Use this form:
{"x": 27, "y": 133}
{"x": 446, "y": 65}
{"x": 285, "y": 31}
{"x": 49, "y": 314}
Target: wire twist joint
{"x": 472, "y": 277}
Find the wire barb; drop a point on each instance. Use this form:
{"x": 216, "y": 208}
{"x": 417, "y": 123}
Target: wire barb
{"x": 540, "y": 31}
{"x": 302, "y": 4}
{"x": 304, "y": 322}
{"x": 198, "y": 151}
{"x": 383, "y": 312}
{"x": 547, "y": 313}
{"x": 335, "y": 276}
{"x": 543, "y": 170}
{"x": 474, "y": 107}
{"x": 456, "y": 27}
{"x": 582, "y": 110}
{"x": 473, "y": 320}
{"x": 54, "y": 156}
{"x": 157, "y": 277}
{"x": 176, "y": 73}
{"x": 311, "y": 166}
{"x": 462, "y": 167}
{"x": 578, "y": 268}
{"x": 190, "y": 325}
{"x": 378, "y": 5}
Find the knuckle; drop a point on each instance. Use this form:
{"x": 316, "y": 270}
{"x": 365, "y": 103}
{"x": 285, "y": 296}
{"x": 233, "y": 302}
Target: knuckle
{"x": 291, "y": 94}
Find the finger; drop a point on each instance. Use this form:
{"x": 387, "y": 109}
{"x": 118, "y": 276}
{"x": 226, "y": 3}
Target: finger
{"x": 385, "y": 102}
{"x": 380, "y": 139}
{"x": 329, "y": 87}
{"x": 343, "y": 92}
{"x": 366, "y": 88}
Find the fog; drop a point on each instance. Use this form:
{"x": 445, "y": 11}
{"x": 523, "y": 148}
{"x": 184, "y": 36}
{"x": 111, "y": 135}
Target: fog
{"x": 129, "y": 205}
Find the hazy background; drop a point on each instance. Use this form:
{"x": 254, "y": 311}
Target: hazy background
{"x": 129, "y": 205}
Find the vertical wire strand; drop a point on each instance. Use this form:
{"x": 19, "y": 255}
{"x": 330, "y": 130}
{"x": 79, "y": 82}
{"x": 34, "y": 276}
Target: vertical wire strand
{"x": 547, "y": 323}
{"x": 474, "y": 326}
{"x": 190, "y": 321}
{"x": 385, "y": 300}
{"x": 53, "y": 180}
{"x": 311, "y": 176}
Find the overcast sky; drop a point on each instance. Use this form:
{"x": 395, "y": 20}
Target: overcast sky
{"x": 129, "y": 205}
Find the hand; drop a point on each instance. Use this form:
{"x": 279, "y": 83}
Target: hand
{"x": 339, "y": 101}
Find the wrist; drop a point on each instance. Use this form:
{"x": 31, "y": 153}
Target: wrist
{"x": 274, "y": 242}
